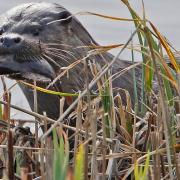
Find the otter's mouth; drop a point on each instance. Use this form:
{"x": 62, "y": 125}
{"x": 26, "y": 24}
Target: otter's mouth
{"x": 27, "y": 68}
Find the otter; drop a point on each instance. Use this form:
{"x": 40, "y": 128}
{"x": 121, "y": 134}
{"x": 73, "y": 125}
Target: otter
{"x": 39, "y": 40}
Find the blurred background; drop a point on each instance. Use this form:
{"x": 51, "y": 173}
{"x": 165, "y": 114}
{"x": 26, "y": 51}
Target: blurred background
{"x": 164, "y": 14}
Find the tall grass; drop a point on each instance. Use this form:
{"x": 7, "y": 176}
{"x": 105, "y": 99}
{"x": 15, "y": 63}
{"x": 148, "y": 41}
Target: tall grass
{"x": 111, "y": 139}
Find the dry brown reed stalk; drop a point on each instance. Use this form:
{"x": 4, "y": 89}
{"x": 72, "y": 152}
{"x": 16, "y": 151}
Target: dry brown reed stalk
{"x": 10, "y": 162}
{"x": 78, "y": 138}
{"x": 88, "y": 119}
{"x": 36, "y": 128}
{"x": 104, "y": 144}
{"x": 24, "y": 174}
{"x": 93, "y": 123}
{"x": 7, "y": 98}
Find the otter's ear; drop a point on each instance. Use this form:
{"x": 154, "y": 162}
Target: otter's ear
{"x": 65, "y": 16}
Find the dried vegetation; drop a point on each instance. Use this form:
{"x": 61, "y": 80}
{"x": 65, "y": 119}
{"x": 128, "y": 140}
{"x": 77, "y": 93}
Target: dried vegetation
{"x": 110, "y": 140}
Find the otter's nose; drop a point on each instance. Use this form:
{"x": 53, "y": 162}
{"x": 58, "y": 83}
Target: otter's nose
{"x": 10, "y": 40}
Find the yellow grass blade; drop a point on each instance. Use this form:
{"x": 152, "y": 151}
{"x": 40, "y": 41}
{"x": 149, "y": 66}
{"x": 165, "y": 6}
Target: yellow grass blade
{"x": 48, "y": 91}
{"x": 79, "y": 166}
{"x": 107, "y": 17}
{"x": 167, "y": 48}
{"x": 168, "y": 72}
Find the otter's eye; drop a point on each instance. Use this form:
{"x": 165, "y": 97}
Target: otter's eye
{"x": 36, "y": 32}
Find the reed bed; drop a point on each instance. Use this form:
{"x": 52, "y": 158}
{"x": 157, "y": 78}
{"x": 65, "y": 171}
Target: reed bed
{"x": 110, "y": 140}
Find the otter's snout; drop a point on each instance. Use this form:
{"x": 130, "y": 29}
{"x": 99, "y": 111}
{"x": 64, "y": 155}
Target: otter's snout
{"x": 10, "y": 40}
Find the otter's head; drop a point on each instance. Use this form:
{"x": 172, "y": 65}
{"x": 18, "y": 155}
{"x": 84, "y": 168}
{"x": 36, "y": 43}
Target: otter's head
{"x": 37, "y": 39}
